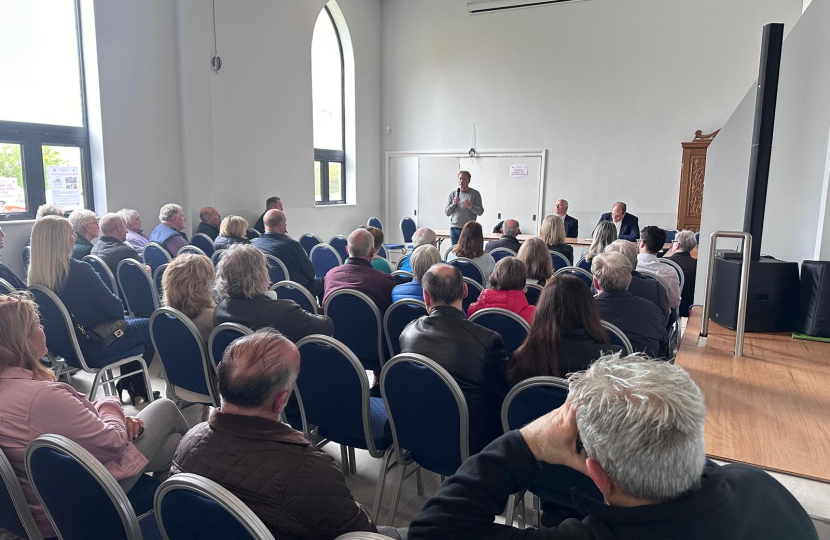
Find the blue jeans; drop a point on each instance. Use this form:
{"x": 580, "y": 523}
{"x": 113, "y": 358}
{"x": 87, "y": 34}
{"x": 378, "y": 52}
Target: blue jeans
{"x": 455, "y": 232}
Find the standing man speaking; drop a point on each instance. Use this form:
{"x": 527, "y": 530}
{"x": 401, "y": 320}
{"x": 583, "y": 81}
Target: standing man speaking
{"x": 463, "y": 205}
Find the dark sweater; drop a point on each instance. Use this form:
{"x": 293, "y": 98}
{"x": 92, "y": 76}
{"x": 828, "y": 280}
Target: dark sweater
{"x": 283, "y": 315}
{"x": 8, "y": 275}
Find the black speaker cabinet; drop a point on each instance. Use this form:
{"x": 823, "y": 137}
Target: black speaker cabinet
{"x": 814, "y": 302}
{"x": 772, "y": 304}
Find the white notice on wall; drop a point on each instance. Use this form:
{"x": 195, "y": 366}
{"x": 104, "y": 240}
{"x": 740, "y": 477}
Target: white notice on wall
{"x": 64, "y": 187}
{"x": 518, "y": 171}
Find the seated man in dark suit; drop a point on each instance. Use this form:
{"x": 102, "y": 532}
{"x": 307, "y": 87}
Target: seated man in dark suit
{"x": 640, "y": 286}
{"x": 640, "y": 320}
{"x": 357, "y": 273}
{"x": 6, "y": 273}
{"x": 628, "y": 226}
{"x": 271, "y": 203}
{"x": 112, "y": 248}
{"x": 209, "y": 222}
{"x": 571, "y": 223}
{"x": 472, "y": 354}
{"x": 510, "y": 230}
{"x": 684, "y": 243}
{"x": 275, "y": 242}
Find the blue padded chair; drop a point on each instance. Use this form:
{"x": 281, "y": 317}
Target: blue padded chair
{"x": 374, "y": 222}
{"x": 203, "y": 242}
{"x": 339, "y": 243}
{"x": 513, "y": 329}
{"x": 474, "y": 289}
{"x": 333, "y": 392}
{"x": 191, "y": 506}
{"x": 158, "y": 276}
{"x": 103, "y": 272}
{"x": 402, "y": 276}
{"x": 308, "y": 241}
{"x": 59, "y": 470}
{"x": 222, "y": 336}
{"x": 155, "y": 255}
{"x": 617, "y": 337}
{"x": 217, "y": 256}
{"x": 671, "y": 234}
{"x": 62, "y": 341}
{"x": 324, "y": 258}
{"x": 140, "y": 292}
{"x": 584, "y": 275}
{"x": 502, "y": 252}
{"x": 469, "y": 269}
{"x": 291, "y": 290}
{"x": 15, "y": 515}
{"x": 6, "y": 287}
{"x": 191, "y": 376}
{"x": 583, "y": 264}
{"x": 533, "y": 293}
{"x": 252, "y": 234}
{"x": 358, "y": 325}
{"x": 383, "y": 252}
{"x": 276, "y": 269}
{"x": 526, "y": 402}
{"x": 400, "y": 314}
{"x": 428, "y": 416}
{"x": 559, "y": 261}
{"x": 408, "y": 228}
{"x": 681, "y": 277}
{"x": 193, "y": 250}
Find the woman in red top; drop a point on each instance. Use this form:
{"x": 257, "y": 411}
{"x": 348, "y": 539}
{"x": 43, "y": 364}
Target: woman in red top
{"x": 507, "y": 290}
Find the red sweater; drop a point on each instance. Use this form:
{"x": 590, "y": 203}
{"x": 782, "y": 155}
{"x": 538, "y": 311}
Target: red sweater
{"x": 514, "y": 301}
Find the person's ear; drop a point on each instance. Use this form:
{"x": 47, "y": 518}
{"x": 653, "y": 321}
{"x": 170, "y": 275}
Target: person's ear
{"x": 278, "y": 401}
{"x": 427, "y": 300}
{"x": 464, "y": 285}
{"x": 347, "y": 249}
{"x": 600, "y": 477}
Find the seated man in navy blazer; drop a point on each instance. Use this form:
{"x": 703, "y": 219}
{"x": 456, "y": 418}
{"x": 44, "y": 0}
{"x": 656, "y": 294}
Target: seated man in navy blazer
{"x": 571, "y": 223}
{"x": 628, "y": 226}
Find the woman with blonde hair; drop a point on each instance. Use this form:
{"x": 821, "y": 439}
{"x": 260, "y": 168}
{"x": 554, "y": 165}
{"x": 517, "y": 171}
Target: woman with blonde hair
{"x": 188, "y": 287}
{"x": 552, "y": 234}
{"x": 604, "y": 234}
{"x": 34, "y": 404}
{"x": 232, "y": 231}
{"x": 534, "y": 253}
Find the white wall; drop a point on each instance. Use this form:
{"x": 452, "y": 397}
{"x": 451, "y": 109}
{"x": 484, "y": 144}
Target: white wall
{"x": 610, "y": 88}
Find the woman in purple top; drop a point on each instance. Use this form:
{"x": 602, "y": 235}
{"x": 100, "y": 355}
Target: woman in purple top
{"x": 135, "y": 235}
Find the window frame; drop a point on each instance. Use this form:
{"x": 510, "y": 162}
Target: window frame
{"x": 325, "y": 156}
{"x": 33, "y": 136}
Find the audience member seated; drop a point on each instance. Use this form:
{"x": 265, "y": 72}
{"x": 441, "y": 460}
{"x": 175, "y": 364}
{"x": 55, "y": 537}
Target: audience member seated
{"x": 112, "y": 248}
{"x": 507, "y": 290}
{"x": 358, "y": 274}
{"x": 242, "y": 282}
{"x": 6, "y": 273}
{"x": 640, "y": 320}
{"x": 86, "y": 298}
{"x": 626, "y": 225}
{"x": 604, "y": 234}
{"x": 640, "y": 286}
{"x": 231, "y": 231}
{"x": 422, "y": 237}
{"x": 170, "y": 232}
{"x": 651, "y": 242}
{"x": 296, "y": 489}
{"x": 379, "y": 263}
{"x": 45, "y": 210}
{"x": 472, "y": 354}
{"x": 534, "y": 253}
{"x": 641, "y": 426}
{"x": 271, "y": 203}
{"x": 552, "y": 233}
{"x": 85, "y": 225}
{"x": 34, "y": 405}
{"x": 471, "y": 245}
{"x": 560, "y": 209}
{"x": 510, "y": 230}
{"x": 135, "y": 234}
{"x": 566, "y": 334}
{"x": 209, "y": 220}
{"x": 423, "y": 258}
{"x": 684, "y": 243}
{"x": 188, "y": 287}
{"x": 275, "y": 241}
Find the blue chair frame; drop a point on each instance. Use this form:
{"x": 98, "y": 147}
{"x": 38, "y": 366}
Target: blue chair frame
{"x": 484, "y": 318}
{"x": 203, "y": 242}
{"x": 291, "y": 290}
{"x": 618, "y": 337}
{"x": 276, "y": 269}
{"x": 103, "y": 272}
{"x": 219, "y": 338}
{"x": 138, "y": 307}
{"x": 357, "y": 341}
{"x": 393, "y": 331}
{"x": 320, "y": 248}
{"x": 464, "y": 264}
{"x": 339, "y": 243}
{"x": 533, "y": 293}
{"x": 12, "y": 498}
{"x": 502, "y": 252}
{"x": 308, "y": 241}
{"x": 559, "y": 261}
{"x": 584, "y": 275}
{"x": 155, "y": 255}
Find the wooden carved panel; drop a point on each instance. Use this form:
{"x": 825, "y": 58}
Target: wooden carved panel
{"x": 692, "y": 178}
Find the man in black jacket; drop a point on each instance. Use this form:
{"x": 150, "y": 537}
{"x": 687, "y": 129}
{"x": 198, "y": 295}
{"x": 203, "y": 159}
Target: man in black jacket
{"x": 271, "y": 203}
{"x": 648, "y": 289}
{"x": 472, "y": 354}
{"x": 571, "y": 223}
{"x": 510, "y": 230}
{"x": 683, "y": 245}
{"x": 209, "y": 222}
{"x": 641, "y": 425}
{"x": 112, "y": 247}
{"x": 6, "y": 273}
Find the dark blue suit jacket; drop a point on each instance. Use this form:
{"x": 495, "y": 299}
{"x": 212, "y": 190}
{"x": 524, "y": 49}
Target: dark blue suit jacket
{"x": 571, "y": 227}
{"x": 293, "y": 256}
{"x": 640, "y": 320}
{"x": 630, "y": 228}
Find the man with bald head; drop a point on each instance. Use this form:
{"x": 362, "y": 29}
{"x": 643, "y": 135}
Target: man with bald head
{"x": 628, "y": 226}
{"x": 510, "y": 231}
{"x": 210, "y": 220}
{"x": 274, "y": 241}
{"x": 297, "y": 490}
{"x": 357, "y": 273}
{"x": 112, "y": 247}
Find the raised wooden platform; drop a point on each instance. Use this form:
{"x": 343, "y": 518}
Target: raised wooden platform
{"x": 770, "y": 408}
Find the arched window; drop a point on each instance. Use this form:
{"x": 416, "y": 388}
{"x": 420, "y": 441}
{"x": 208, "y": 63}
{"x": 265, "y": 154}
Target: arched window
{"x": 328, "y": 98}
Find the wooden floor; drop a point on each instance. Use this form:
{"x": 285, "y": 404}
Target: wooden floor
{"x": 770, "y": 408}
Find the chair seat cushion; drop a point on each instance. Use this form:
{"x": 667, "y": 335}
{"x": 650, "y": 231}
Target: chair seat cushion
{"x": 394, "y": 246}
{"x": 379, "y": 424}
{"x": 142, "y": 493}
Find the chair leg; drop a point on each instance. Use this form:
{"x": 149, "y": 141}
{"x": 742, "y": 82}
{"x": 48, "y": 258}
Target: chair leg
{"x": 443, "y": 478}
{"x": 344, "y": 460}
{"x": 401, "y": 477}
{"x": 96, "y": 381}
{"x": 419, "y": 481}
{"x": 537, "y": 511}
{"x": 511, "y": 510}
{"x": 384, "y": 470}
{"x": 522, "y": 512}
{"x": 352, "y": 461}
{"x": 147, "y": 384}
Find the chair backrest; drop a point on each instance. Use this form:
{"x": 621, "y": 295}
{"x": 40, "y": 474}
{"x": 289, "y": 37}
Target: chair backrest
{"x": 652, "y": 277}
{"x": 217, "y": 256}
{"x": 6, "y": 287}
{"x": 183, "y": 355}
{"x": 469, "y": 269}
{"x": 251, "y": 234}
{"x": 532, "y": 293}
{"x": 513, "y": 329}
{"x": 402, "y": 276}
{"x": 383, "y": 252}
{"x": 103, "y": 272}
{"x": 193, "y": 250}
{"x": 276, "y": 269}
{"x": 427, "y": 413}
{"x": 400, "y": 314}
{"x": 584, "y": 275}
{"x": 530, "y": 399}
{"x": 502, "y": 252}
{"x": 339, "y": 243}
{"x": 140, "y": 293}
{"x": 191, "y": 506}
{"x": 27, "y": 257}
{"x": 670, "y": 235}
{"x": 681, "y": 277}
{"x": 374, "y": 222}
{"x": 446, "y": 252}
{"x": 408, "y": 228}
{"x": 155, "y": 255}
{"x": 308, "y": 241}
{"x": 203, "y": 242}
{"x": 324, "y": 258}
{"x": 291, "y": 290}
{"x": 618, "y": 337}
{"x": 357, "y": 324}
{"x": 474, "y": 289}
{"x": 15, "y": 515}
{"x": 360, "y": 535}
{"x": 583, "y": 264}
{"x": 222, "y": 336}
{"x": 61, "y": 339}
{"x": 402, "y": 260}
{"x": 158, "y": 276}
{"x": 78, "y": 494}
{"x": 558, "y": 260}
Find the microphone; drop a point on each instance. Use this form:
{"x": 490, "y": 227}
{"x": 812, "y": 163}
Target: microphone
{"x": 457, "y": 193}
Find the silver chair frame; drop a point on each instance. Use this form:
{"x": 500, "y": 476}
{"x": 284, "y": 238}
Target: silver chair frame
{"x": 206, "y": 237}
{"x": 510, "y": 252}
{"x": 537, "y": 287}
{"x": 191, "y": 249}
{"x": 312, "y": 235}
{"x": 400, "y": 262}
{"x": 251, "y": 230}
{"x": 447, "y": 252}
{"x": 481, "y": 271}
{"x": 574, "y": 269}
{"x": 163, "y": 250}
{"x": 499, "y": 311}
{"x": 217, "y": 256}
{"x": 403, "y": 302}
{"x": 158, "y": 273}
{"x": 242, "y": 329}
{"x": 274, "y": 260}
{"x": 557, "y": 255}
{"x": 471, "y": 282}
{"x": 674, "y": 343}
{"x": 213, "y": 491}
{"x": 581, "y": 259}
{"x": 362, "y": 536}
{"x": 107, "y": 272}
{"x": 403, "y": 273}
{"x": 338, "y": 237}
{"x": 629, "y": 349}
{"x": 369, "y": 222}
{"x": 680, "y": 276}
{"x": 150, "y": 281}
{"x": 24, "y": 514}
{"x": 374, "y": 308}
{"x": 6, "y": 287}
{"x": 324, "y": 246}
{"x": 288, "y": 283}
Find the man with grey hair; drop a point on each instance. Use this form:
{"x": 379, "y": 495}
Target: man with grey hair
{"x": 640, "y": 320}
{"x": 571, "y": 223}
{"x": 510, "y": 231}
{"x": 423, "y": 258}
{"x": 640, "y": 425}
{"x": 112, "y": 248}
{"x": 85, "y": 226}
{"x": 170, "y": 232}
{"x": 648, "y": 289}
{"x": 247, "y": 450}
{"x": 135, "y": 235}
{"x": 422, "y": 237}
{"x": 357, "y": 273}
{"x": 684, "y": 243}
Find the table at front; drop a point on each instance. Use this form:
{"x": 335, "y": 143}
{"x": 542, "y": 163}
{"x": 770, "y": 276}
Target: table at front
{"x": 444, "y": 234}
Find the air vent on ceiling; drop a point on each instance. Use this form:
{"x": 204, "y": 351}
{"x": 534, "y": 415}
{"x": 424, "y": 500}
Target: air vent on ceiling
{"x": 490, "y": 6}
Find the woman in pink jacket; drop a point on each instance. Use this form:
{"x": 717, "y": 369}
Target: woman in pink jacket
{"x": 507, "y": 290}
{"x": 34, "y": 405}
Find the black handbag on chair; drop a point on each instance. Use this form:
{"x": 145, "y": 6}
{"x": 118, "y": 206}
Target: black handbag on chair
{"x": 105, "y": 333}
